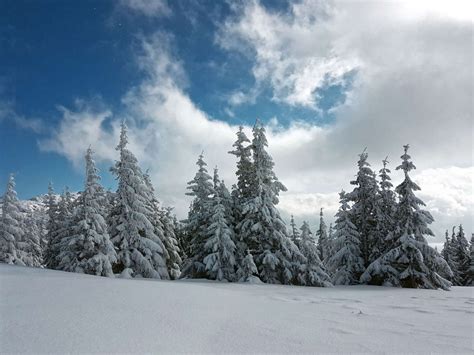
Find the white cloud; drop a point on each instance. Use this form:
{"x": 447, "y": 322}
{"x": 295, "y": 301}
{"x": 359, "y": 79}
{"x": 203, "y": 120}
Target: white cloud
{"x": 414, "y": 85}
{"x": 150, "y": 8}
{"x": 293, "y": 52}
{"x": 8, "y": 112}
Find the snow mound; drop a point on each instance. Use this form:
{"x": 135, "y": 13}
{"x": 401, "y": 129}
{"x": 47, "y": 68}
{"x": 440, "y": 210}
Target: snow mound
{"x": 44, "y": 311}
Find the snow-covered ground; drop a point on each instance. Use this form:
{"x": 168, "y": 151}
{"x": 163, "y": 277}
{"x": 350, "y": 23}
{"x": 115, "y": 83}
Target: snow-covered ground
{"x": 43, "y": 311}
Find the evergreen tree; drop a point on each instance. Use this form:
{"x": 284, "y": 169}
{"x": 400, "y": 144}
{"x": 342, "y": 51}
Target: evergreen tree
{"x": 261, "y": 229}
{"x": 470, "y": 281}
{"x": 294, "y": 233}
{"x": 410, "y": 262}
{"x": 58, "y": 226}
{"x": 244, "y": 171}
{"x": 322, "y": 237}
{"x": 247, "y": 271}
{"x": 11, "y": 233}
{"x": 385, "y": 213}
{"x": 88, "y": 248}
{"x": 314, "y": 273}
{"x": 330, "y": 246}
{"x": 346, "y": 263}
{"x": 364, "y": 208}
{"x": 33, "y": 240}
{"x": 219, "y": 247}
{"x": 140, "y": 251}
{"x": 170, "y": 241}
{"x": 461, "y": 253}
{"x": 201, "y": 188}
{"x": 241, "y": 192}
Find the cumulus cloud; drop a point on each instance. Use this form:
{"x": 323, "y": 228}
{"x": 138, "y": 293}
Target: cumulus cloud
{"x": 413, "y": 85}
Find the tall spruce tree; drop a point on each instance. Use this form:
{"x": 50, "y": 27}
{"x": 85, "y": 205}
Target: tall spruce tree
{"x": 88, "y": 248}
{"x": 314, "y": 273}
{"x": 219, "y": 246}
{"x": 11, "y": 227}
{"x": 58, "y": 226}
{"x": 364, "y": 208}
{"x": 294, "y": 233}
{"x": 262, "y": 229}
{"x": 242, "y": 151}
{"x": 32, "y": 241}
{"x": 170, "y": 241}
{"x": 241, "y": 192}
{"x": 322, "y": 237}
{"x": 140, "y": 251}
{"x": 385, "y": 213}
{"x": 470, "y": 281}
{"x": 346, "y": 263}
{"x": 202, "y": 189}
{"x": 410, "y": 262}
{"x": 461, "y": 254}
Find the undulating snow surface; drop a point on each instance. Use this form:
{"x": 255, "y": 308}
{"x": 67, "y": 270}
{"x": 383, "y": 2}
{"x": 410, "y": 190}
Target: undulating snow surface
{"x": 43, "y": 311}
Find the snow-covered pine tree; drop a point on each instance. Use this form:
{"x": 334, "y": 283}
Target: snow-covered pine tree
{"x": 461, "y": 252}
{"x": 322, "y": 237}
{"x": 470, "y": 281}
{"x": 262, "y": 229}
{"x": 346, "y": 263}
{"x": 447, "y": 254}
{"x": 219, "y": 246}
{"x": 385, "y": 213}
{"x": 220, "y": 189}
{"x": 244, "y": 171}
{"x": 247, "y": 271}
{"x": 241, "y": 192}
{"x": 88, "y": 249}
{"x": 314, "y": 273}
{"x": 201, "y": 188}
{"x": 170, "y": 241}
{"x": 363, "y": 211}
{"x": 158, "y": 217}
{"x": 410, "y": 262}
{"x": 330, "y": 245}
{"x": 11, "y": 227}
{"x": 58, "y": 225}
{"x": 33, "y": 240}
{"x": 140, "y": 251}
{"x": 294, "y": 233}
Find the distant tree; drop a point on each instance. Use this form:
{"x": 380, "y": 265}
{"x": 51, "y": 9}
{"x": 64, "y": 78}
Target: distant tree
{"x": 314, "y": 273}
{"x": 364, "y": 209}
{"x": 294, "y": 233}
{"x": 219, "y": 247}
{"x": 346, "y": 263}
{"x": 247, "y": 271}
{"x": 58, "y": 226}
{"x": 322, "y": 237}
{"x": 202, "y": 189}
{"x": 88, "y": 248}
{"x": 462, "y": 256}
{"x": 385, "y": 213}
{"x": 12, "y": 250}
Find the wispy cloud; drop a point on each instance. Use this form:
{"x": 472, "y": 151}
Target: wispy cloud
{"x": 148, "y": 8}
{"x": 8, "y": 112}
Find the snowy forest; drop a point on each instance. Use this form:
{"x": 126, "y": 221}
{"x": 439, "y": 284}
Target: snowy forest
{"x": 237, "y": 235}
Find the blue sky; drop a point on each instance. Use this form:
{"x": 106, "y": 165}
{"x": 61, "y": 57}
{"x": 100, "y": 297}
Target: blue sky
{"x": 328, "y": 78}
{"x": 53, "y": 52}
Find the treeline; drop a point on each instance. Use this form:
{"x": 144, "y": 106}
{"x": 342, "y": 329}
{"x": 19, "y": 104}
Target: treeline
{"x": 379, "y": 236}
